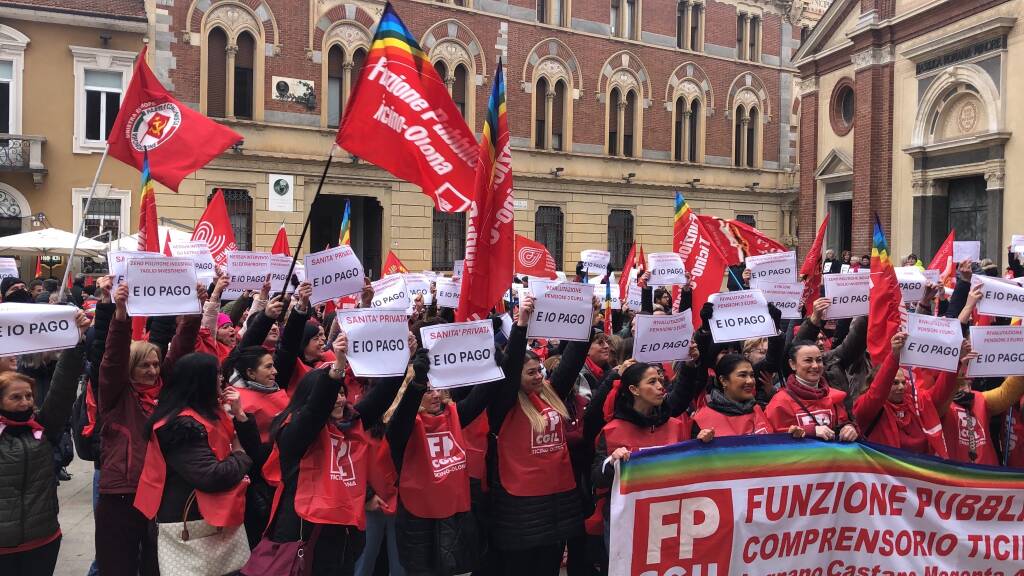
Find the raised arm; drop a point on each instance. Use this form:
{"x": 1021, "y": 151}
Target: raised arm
{"x": 372, "y": 406}
{"x": 289, "y": 345}
{"x": 869, "y": 405}
{"x": 566, "y": 375}
{"x": 404, "y": 417}
{"x": 114, "y": 375}
{"x": 515, "y": 354}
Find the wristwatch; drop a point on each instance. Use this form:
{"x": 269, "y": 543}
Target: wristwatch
{"x": 335, "y": 374}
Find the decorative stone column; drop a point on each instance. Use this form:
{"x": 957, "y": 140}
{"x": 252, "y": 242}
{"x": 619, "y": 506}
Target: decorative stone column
{"x": 229, "y": 91}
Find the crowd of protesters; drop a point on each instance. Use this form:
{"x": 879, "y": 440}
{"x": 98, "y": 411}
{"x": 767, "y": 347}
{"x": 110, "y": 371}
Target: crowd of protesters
{"x": 246, "y": 425}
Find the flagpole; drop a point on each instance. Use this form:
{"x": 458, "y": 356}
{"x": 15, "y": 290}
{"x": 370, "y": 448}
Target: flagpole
{"x": 305, "y": 225}
{"x": 81, "y": 223}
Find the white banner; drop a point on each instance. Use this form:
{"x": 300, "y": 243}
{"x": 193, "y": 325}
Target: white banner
{"x": 563, "y": 310}
{"x": 1000, "y": 297}
{"x": 9, "y": 268}
{"x": 247, "y": 271}
{"x": 378, "y": 341}
{"x": 117, "y": 263}
{"x": 663, "y": 338}
{"x": 391, "y": 293}
{"x": 27, "y": 328}
{"x": 931, "y": 275}
{"x": 932, "y": 342}
{"x": 600, "y": 292}
{"x": 281, "y": 193}
{"x": 595, "y": 262}
{"x": 506, "y": 324}
{"x": 199, "y": 252}
{"x": 279, "y": 265}
{"x": 1000, "y": 351}
{"x": 448, "y": 292}
{"x": 966, "y": 250}
{"x": 666, "y": 269}
{"x": 848, "y": 294}
{"x": 634, "y": 297}
{"x": 785, "y": 296}
{"x": 461, "y": 354}
{"x": 334, "y": 273}
{"x": 773, "y": 267}
{"x": 161, "y": 286}
{"x": 741, "y": 315}
{"x": 1017, "y": 243}
{"x": 912, "y": 283}
{"x": 418, "y": 284}
{"x": 457, "y": 268}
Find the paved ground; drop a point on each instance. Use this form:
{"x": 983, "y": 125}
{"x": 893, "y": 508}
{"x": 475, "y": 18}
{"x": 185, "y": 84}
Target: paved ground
{"x": 76, "y": 549}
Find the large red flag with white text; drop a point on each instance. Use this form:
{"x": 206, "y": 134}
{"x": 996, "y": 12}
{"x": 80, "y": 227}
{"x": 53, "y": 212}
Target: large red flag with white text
{"x": 812, "y": 270}
{"x": 215, "y": 229}
{"x": 701, "y": 257}
{"x": 178, "y": 140}
{"x": 490, "y": 231}
{"x": 403, "y": 119}
{"x": 533, "y": 259}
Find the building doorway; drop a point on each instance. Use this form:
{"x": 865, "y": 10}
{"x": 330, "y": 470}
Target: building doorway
{"x": 365, "y": 232}
{"x": 968, "y": 211}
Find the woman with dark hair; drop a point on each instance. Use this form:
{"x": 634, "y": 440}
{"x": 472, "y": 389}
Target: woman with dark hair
{"x": 731, "y": 408}
{"x": 131, "y": 376}
{"x": 321, "y": 463}
{"x": 29, "y": 531}
{"x": 807, "y": 401}
{"x": 190, "y": 450}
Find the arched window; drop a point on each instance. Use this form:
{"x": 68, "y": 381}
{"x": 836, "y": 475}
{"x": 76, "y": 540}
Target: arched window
{"x": 689, "y": 25}
{"x": 678, "y": 129}
{"x": 547, "y": 229}
{"x": 738, "y": 136}
{"x": 752, "y": 144}
{"x": 628, "y": 125}
{"x": 442, "y": 70}
{"x": 697, "y": 28}
{"x": 693, "y": 138}
{"x": 335, "y": 79}
{"x": 540, "y": 114}
{"x": 460, "y": 88}
{"x": 216, "y": 73}
{"x": 615, "y": 110}
{"x": 243, "y": 71}
{"x": 558, "y": 115}
{"x": 620, "y": 236}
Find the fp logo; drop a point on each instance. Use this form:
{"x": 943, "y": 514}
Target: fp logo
{"x": 342, "y": 467}
{"x": 815, "y": 418}
{"x": 687, "y": 534}
{"x": 445, "y": 453}
{"x": 552, "y": 437}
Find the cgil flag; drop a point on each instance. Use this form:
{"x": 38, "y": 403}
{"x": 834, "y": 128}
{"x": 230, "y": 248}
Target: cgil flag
{"x": 885, "y": 297}
{"x": 345, "y": 236}
{"x": 214, "y": 228}
{"x": 152, "y": 125}
{"x": 490, "y": 233}
{"x": 701, "y": 257}
{"x": 392, "y": 265}
{"x": 281, "y": 243}
{"x": 533, "y": 259}
{"x": 812, "y": 270}
{"x": 402, "y": 118}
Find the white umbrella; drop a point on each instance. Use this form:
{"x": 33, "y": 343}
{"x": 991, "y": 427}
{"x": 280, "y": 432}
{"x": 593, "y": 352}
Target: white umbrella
{"x": 46, "y": 242}
{"x": 131, "y": 243}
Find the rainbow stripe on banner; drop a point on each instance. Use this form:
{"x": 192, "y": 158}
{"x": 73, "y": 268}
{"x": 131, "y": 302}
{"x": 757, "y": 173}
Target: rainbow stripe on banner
{"x": 682, "y": 208}
{"x": 496, "y": 117}
{"x": 392, "y": 33}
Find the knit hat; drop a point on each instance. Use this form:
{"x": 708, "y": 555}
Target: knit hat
{"x": 223, "y": 319}
{"x": 6, "y": 283}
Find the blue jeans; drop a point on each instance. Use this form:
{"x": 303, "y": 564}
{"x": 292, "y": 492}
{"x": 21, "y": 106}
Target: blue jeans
{"x": 378, "y": 527}
{"x": 93, "y": 570}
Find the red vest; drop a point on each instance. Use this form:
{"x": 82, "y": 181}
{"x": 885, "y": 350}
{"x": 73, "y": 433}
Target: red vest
{"x": 332, "y": 477}
{"x": 534, "y": 463}
{"x": 623, "y": 434}
{"x": 1016, "y": 443}
{"x": 475, "y": 436}
{"x": 222, "y": 509}
{"x": 263, "y": 406}
{"x": 925, "y": 416}
{"x": 434, "y": 482}
{"x": 383, "y": 477}
{"x": 724, "y": 425}
{"x": 954, "y": 426}
{"x": 784, "y": 410}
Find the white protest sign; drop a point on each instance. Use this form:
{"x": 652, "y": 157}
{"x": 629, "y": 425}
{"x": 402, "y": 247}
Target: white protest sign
{"x": 9, "y": 268}
{"x": 666, "y": 269}
{"x": 117, "y": 263}
{"x": 932, "y": 342}
{"x": 966, "y": 250}
{"x": 1017, "y": 243}
{"x": 457, "y": 268}
{"x": 448, "y": 292}
{"x": 844, "y": 269}
{"x": 785, "y": 296}
{"x": 1000, "y": 351}
{"x": 773, "y": 267}
{"x": 663, "y": 338}
{"x": 161, "y": 286}
{"x": 1000, "y": 297}
{"x": 247, "y": 270}
{"x": 199, "y": 252}
{"x": 595, "y": 262}
{"x": 741, "y": 315}
{"x": 418, "y": 284}
{"x": 390, "y": 292}
{"x": 334, "y": 273}
{"x": 931, "y": 275}
{"x": 26, "y": 328}
{"x": 461, "y": 354}
{"x": 378, "y": 341}
{"x": 279, "y": 266}
{"x": 912, "y": 283}
{"x": 562, "y": 310}
{"x": 634, "y": 297}
{"x": 600, "y": 291}
{"x": 599, "y": 279}
{"x": 848, "y": 294}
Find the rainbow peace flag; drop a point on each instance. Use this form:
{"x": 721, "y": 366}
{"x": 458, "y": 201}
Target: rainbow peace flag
{"x": 346, "y": 224}
{"x": 392, "y": 33}
{"x": 496, "y": 117}
{"x": 682, "y": 209}
{"x": 886, "y": 299}
{"x": 879, "y": 247}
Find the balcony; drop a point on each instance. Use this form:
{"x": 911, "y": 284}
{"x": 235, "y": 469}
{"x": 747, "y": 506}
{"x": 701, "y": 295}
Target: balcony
{"x": 20, "y": 153}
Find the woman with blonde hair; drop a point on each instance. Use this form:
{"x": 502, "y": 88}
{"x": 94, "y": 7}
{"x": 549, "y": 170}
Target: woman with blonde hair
{"x": 536, "y": 507}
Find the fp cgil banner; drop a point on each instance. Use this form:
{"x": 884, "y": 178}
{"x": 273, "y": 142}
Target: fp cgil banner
{"x": 774, "y": 506}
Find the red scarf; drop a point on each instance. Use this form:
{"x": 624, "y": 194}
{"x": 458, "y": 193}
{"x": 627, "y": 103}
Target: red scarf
{"x": 535, "y": 399}
{"x": 147, "y": 396}
{"x": 804, "y": 391}
{"x": 904, "y": 412}
{"x": 596, "y": 370}
{"x": 36, "y": 427}
{"x": 608, "y": 409}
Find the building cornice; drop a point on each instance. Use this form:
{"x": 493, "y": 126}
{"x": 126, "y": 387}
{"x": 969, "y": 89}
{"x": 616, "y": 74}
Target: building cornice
{"x": 992, "y": 27}
{"x": 77, "y": 19}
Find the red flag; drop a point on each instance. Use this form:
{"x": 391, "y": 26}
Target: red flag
{"x": 392, "y": 265}
{"x": 945, "y": 252}
{"x": 885, "y": 297}
{"x": 490, "y": 233}
{"x": 281, "y": 243}
{"x": 627, "y": 268}
{"x": 753, "y": 241}
{"x": 167, "y": 244}
{"x": 39, "y": 267}
{"x": 178, "y": 139}
{"x": 722, "y": 236}
{"x": 402, "y": 118}
{"x": 812, "y": 269}
{"x": 700, "y": 256}
{"x": 215, "y": 228}
{"x": 533, "y": 259}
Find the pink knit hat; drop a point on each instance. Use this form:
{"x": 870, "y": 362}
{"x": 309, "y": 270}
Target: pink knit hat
{"x": 223, "y": 319}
